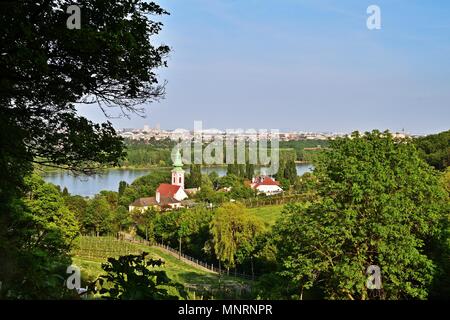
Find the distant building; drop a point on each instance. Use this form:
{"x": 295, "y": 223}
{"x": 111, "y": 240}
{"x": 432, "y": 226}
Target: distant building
{"x": 167, "y": 196}
{"x": 266, "y": 185}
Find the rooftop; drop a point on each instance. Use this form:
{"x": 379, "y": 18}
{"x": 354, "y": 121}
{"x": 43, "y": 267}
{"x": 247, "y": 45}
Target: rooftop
{"x": 167, "y": 190}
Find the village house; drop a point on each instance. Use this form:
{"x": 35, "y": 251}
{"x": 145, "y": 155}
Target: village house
{"x": 266, "y": 185}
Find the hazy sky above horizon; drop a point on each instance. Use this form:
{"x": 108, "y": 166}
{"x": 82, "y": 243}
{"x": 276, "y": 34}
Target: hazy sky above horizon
{"x": 309, "y": 65}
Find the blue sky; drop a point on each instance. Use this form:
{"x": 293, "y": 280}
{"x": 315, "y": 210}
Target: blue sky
{"x": 308, "y": 65}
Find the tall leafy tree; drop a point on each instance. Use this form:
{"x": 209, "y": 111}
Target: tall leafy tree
{"x": 435, "y": 149}
{"x": 166, "y": 228}
{"x": 249, "y": 171}
{"x": 214, "y": 178}
{"x": 77, "y": 204}
{"x": 380, "y": 205}
{"x": 193, "y": 229}
{"x": 99, "y": 216}
{"x": 196, "y": 175}
{"x": 122, "y": 186}
{"x": 46, "y": 69}
{"x": 121, "y": 218}
{"x": 446, "y": 180}
{"x": 441, "y": 249}
{"x": 233, "y": 169}
{"x": 290, "y": 171}
{"x": 233, "y": 230}
{"x": 35, "y": 251}
{"x": 241, "y": 170}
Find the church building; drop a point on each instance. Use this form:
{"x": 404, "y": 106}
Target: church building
{"x": 168, "y": 195}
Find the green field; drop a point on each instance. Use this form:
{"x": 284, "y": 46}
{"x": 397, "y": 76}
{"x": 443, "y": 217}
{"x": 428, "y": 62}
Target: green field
{"x": 268, "y": 214}
{"x": 93, "y": 251}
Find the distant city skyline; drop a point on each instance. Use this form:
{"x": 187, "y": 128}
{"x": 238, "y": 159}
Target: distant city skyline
{"x": 157, "y": 127}
{"x": 302, "y": 65}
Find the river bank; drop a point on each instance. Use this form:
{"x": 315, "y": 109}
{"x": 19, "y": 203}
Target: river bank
{"x": 109, "y": 179}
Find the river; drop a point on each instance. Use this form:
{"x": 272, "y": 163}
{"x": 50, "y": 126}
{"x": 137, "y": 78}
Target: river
{"x": 88, "y": 186}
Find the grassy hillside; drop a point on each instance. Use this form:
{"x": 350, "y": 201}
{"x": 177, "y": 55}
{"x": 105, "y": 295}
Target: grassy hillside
{"x": 268, "y": 214}
{"x": 93, "y": 251}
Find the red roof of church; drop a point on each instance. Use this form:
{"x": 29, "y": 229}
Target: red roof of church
{"x": 267, "y": 182}
{"x": 167, "y": 190}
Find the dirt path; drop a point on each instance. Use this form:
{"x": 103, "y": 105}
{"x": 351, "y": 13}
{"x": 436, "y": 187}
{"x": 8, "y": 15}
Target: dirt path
{"x": 186, "y": 260}
{"x": 191, "y": 261}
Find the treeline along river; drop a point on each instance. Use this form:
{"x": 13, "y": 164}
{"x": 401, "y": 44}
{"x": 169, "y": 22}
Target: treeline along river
{"x": 88, "y": 186}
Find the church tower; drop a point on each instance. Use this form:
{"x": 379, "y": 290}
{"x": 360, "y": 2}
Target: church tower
{"x": 177, "y": 171}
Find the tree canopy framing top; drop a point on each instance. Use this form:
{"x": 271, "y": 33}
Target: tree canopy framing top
{"x": 46, "y": 69}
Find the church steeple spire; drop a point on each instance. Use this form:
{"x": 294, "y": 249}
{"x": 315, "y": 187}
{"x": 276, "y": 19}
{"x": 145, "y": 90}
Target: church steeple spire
{"x": 178, "y": 162}
{"x": 177, "y": 171}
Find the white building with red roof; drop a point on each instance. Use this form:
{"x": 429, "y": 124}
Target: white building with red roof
{"x": 167, "y": 196}
{"x": 266, "y": 185}
{"x": 169, "y": 191}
